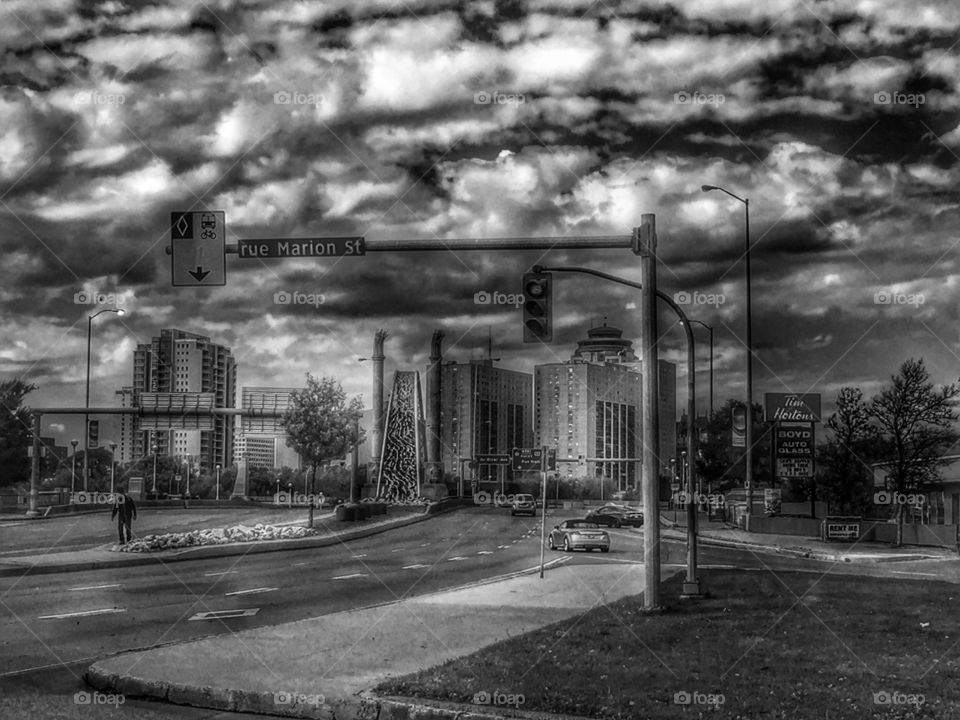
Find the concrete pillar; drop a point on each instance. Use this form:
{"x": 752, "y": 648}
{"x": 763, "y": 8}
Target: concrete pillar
{"x": 376, "y": 437}
{"x": 434, "y": 408}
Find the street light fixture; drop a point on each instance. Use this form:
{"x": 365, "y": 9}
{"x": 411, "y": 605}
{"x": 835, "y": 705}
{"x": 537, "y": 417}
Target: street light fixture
{"x": 218, "y": 481}
{"x": 113, "y": 463}
{"x": 73, "y": 470}
{"x": 86, "y": 416}
{"x": 748, "y": 480}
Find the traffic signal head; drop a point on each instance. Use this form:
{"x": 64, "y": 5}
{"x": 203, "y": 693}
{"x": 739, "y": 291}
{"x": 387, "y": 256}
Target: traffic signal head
{"x": 537, "y": 307}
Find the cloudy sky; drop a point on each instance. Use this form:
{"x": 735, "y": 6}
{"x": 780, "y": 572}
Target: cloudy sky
{"x": 436, "y": 120}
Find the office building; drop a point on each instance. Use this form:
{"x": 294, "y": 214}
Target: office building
{"x": 177, "y": 361}
{"x": 484, "y": 410}
{"x": 590, "y": 408}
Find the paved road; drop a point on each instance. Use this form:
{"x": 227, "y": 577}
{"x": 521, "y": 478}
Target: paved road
{"x": 44, "y": 649}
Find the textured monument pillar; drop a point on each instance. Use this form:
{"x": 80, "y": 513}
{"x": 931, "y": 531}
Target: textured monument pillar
{"x": 434, "y": 407}
{"x": 376, "y": 438}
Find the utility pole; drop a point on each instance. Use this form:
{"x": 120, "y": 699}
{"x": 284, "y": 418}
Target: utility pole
{"x": 646, "y": 246}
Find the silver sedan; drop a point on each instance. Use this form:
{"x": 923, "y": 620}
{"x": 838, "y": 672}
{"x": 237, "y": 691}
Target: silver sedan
{"x": 572, "y": 534}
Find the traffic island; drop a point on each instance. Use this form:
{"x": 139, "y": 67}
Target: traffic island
{"x": 763, "y": 645}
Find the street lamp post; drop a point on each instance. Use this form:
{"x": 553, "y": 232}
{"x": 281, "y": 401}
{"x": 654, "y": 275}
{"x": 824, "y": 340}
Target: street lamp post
{"x": 710, "y": 330}
{"x": 113, "y": 464}
{"x": 748, "y": 480}
{"x": 156, "y": 449}
{"x": 73, "y": 469}
{"x": 86, "y": 416}
{"x": 218, "y": 480}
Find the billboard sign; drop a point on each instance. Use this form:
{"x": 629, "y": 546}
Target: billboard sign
{"x": 779, "y": 407}
{"x": 793, "y": 450}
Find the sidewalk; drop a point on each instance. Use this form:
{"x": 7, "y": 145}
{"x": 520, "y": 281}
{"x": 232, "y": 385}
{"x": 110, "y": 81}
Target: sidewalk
{"x": 332, "y": 532}
{"x": 323, "y": 667}
{"x": 724, "y": 535}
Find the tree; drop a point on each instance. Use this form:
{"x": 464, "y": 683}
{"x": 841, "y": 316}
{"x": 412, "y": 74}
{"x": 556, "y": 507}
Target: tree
{"x": 16, "y": 432}
{"x": 721, "y": 466}
{"x": 844, "y": 477}
{"x": 918, "y": 421}
{"x": 321, "y": 426}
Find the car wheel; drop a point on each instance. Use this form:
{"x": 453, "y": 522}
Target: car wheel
{"x": 617, "y": 524}
{"x": 604, "y": 549}
{"x": 566, "y": 544}
{"x": 512, "y": 513}
{"x": 550, "y": 543}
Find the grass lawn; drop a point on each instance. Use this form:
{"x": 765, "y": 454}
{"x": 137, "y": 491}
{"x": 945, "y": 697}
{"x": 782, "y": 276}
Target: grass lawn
{"x": 854, "y": 647}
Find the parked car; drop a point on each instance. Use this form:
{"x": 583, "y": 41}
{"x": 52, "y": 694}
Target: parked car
{"x": 616, "y": 516}
{"x": 523, "y": 505}
{"x": 572, "y": 534}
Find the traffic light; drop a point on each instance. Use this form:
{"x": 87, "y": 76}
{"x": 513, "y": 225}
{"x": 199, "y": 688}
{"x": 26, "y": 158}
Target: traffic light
{"x": 537, "y": 307}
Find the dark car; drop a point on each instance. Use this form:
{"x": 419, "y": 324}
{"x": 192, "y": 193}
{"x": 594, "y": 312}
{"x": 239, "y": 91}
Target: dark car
{"x": 523, "y": 505}
{"x": 572, "y": 534}
{"x": 616, "y": 516}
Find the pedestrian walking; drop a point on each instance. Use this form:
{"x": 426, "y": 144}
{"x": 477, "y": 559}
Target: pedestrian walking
{"x": 125, "y": 511}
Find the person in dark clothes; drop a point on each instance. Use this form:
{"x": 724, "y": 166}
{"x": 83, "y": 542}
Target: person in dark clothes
{"x": 125, "y": 511}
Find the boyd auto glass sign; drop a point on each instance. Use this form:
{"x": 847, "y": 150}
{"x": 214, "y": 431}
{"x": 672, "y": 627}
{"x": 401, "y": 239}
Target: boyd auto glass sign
{"x": 793, "y": 447}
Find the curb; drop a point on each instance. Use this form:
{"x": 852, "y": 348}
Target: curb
{"x": 803, "y": 553}
{"x": 210, "y": 551}
{"x": 362, "y": 706}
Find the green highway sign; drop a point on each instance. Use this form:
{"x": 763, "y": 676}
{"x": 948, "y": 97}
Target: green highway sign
{"x": 302, "y": 247}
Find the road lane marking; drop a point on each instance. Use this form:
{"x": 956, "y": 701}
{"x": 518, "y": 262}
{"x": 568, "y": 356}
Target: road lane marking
{"x": 298, "y": 564}
{"x": 221, "y": 614}
{"x": 252, "y": 591}
{"x": 414, "y": 567}
{"x": 360, "y": 556}
{"x": 485, "y": 552}
{"x": 396, "y": 550}
{"x": 225, "y": 572}
{"x": 458, "y": 557}
{"x": 424, "y": 544}
{"x": 904, "y": 572}
{"x": 501, "y": 547}
{"x": 83, "y": 613}
{"x": 95, "y": 587}
{"x": 347, "y": 577}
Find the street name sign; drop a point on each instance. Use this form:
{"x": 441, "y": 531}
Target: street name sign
{"x": 496, "y": 459}
{"x": 198, "y": 248}
{"x": 302, "y": 247}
